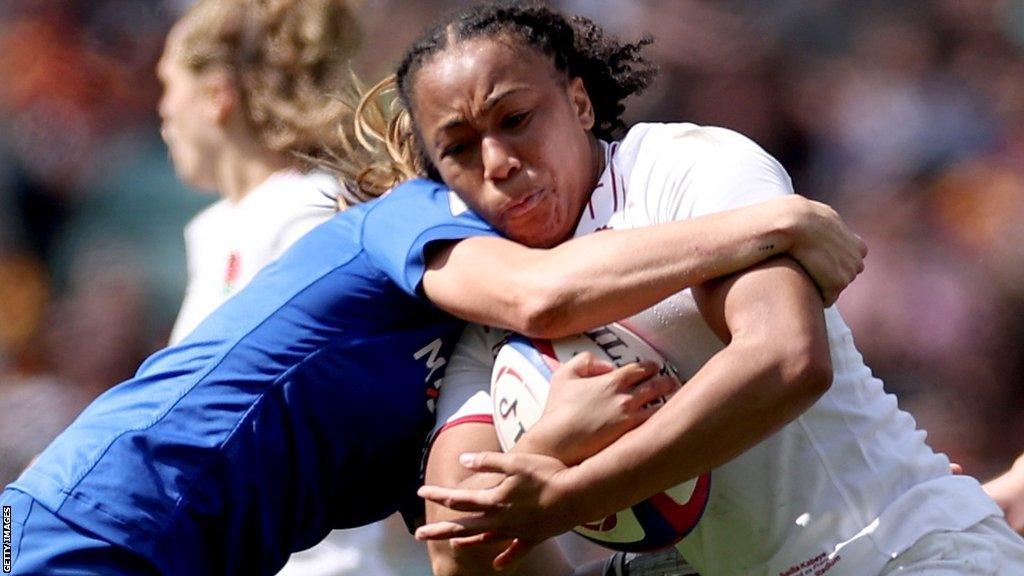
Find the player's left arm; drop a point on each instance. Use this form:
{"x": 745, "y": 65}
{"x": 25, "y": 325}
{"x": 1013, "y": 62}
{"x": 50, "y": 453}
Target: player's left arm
{"x": 774, "y": 366}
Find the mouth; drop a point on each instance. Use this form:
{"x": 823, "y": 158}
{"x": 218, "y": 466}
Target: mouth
{"x": 523, "y": 205}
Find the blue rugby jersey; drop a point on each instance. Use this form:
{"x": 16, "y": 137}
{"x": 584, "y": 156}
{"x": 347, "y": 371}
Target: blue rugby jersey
{"x": 299, "y": 406}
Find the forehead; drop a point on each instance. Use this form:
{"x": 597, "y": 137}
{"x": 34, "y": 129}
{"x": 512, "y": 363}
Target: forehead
{"x": 170, "y": 61}
{"x": 462, "y": 77}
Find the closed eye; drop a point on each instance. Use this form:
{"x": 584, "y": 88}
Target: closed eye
{"x": 453, "y": 149}
{"x": 514, "y": 120}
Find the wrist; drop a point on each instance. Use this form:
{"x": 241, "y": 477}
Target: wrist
{"x": 550, "y": 437}
{"x": 539, "y": 440}
{"x": 576, "y": 498}
{"x": 567, "y": 502}
{"x": 788, "y": 225}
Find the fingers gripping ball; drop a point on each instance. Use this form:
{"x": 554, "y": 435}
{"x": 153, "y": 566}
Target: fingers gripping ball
{"x": 519, "y": 389}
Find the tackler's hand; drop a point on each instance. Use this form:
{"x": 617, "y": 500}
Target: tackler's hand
{"x": 591, "y": 403}
{"x": 831, "y": 253}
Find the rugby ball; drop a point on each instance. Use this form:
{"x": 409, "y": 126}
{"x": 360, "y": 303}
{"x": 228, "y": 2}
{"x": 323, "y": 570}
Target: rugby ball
{"x": 519, "y": 388}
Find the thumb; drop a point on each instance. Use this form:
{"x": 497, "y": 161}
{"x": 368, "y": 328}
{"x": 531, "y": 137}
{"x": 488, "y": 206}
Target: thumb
{"x": 489, "y": 462}
{"x": 512, "y": 554}
{"x": 510, "y": 464}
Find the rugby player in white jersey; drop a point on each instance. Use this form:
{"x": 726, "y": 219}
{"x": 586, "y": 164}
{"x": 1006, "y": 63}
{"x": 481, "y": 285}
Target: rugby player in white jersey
{"x": 814, "y": 468}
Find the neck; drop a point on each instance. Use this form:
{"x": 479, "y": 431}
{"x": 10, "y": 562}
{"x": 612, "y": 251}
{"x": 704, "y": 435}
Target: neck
{"x": 597, "y": 161}
{"x": 240, "y": 172}
{"x": 598, "y": 154}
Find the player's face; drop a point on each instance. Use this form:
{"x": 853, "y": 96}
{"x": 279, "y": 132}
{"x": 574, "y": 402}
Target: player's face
{"x": 186, "y": 128}
{"x": 510, "y": 135}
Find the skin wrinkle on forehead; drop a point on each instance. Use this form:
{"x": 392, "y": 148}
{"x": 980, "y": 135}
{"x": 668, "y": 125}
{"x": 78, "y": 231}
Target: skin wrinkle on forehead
{"x": 478, "y": 44}
{"x": 466, "y": 53}
{"x": 453, "y": 62}
{"x": 481, "y": 83}
{"x": 491, "y": 100}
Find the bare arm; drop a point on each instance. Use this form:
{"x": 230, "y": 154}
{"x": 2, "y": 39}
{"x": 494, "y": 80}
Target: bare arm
{"x": 590, "y": 399}
{"x": 443, "y": 470}
{"x": 774, "y": 366}
{"x": 1008, "y": 491}
{"x": 603, "y": 277}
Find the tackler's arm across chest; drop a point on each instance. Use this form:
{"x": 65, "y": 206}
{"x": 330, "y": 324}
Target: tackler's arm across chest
{"x": 601, "y": 278}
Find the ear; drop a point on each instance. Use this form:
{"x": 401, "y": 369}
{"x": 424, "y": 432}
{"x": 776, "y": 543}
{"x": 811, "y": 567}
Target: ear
{"x": 221, "y": 97}
{"x": 580, "y": 100}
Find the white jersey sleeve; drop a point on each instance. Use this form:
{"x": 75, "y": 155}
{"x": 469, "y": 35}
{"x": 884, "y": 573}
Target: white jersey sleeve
{"x": 681, "y": 171}
{"x": 466, "y": 392}
{"x": 316, "y": 191}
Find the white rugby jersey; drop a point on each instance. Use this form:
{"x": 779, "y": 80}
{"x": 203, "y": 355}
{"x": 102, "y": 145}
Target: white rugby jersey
{"x": 848, "y": 478}
{"x": 229, "y": 242}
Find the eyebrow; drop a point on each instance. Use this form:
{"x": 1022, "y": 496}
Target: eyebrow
{"x": 457, "y": 119}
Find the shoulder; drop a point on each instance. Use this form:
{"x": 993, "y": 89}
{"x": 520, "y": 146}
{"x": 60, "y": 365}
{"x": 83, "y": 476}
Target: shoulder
{"x": 417, "y": 205}
{"x": 293, "y": 194}
{"x": 685, "y": 146}
{"x": 209, "y": 221}
{"x": 208, "y": 216}
{"x": 692, "y": 152}
{"x": 316, "y": 188}
{"x": 686, "y": 170}
{"x": 399, "y": 228}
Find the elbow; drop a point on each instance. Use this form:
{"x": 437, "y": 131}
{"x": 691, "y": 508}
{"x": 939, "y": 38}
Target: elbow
{"x": 541, "y": 313}
{"x": 805, "y": 368}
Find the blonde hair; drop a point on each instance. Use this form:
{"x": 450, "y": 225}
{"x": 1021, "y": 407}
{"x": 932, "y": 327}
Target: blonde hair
{"x": 388, "y": 152}
{"x": 290, "y": 63}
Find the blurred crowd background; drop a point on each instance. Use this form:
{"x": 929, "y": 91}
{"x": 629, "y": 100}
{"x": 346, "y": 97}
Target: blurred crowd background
{"x": 907, "y": 116}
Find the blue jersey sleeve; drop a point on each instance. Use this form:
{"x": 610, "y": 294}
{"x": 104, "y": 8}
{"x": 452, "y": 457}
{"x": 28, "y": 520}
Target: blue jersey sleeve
{"x": 399, "y": 227}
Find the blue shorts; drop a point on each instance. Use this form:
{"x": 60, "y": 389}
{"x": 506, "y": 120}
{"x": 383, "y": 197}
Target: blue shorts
{"x": 57, "y": 548}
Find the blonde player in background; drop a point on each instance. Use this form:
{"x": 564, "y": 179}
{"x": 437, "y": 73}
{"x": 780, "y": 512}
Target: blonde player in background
{"x": 250, "y": 98}
{"x": 251, "y": 102}
{"x": 814, "y": 468}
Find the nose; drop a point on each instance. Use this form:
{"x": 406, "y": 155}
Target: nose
{"x": 500, "y": 161}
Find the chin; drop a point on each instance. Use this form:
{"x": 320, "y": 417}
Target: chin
{"x": 543, "y": 239}
{"x": 191, "y": 179}
{"x": 541, "y": 231}
{"x": 186, "y": 176}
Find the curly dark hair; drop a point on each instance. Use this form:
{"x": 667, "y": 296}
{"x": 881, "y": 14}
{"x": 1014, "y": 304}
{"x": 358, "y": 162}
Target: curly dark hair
{"x": 611, "y": 70}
